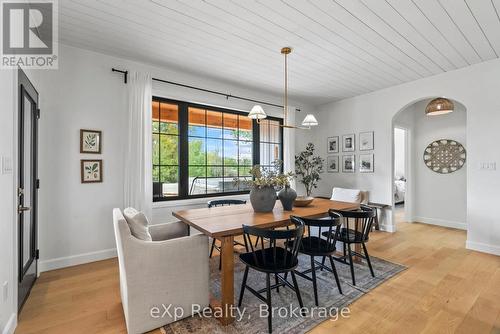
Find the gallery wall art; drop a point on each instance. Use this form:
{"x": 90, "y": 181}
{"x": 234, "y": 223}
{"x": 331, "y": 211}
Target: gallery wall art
{"x": 90, "y": 141}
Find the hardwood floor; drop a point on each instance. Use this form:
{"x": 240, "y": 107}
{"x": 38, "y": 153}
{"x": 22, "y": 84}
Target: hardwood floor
{"x": 446, "y": 289}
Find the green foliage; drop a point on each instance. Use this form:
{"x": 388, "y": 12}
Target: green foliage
{"x": 268, "y": 177}
{"x": 165, "y": 152}
{"x": 309, "y": 167}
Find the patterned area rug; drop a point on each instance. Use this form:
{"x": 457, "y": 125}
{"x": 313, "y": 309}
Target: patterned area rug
{"x": 287, "y": 317}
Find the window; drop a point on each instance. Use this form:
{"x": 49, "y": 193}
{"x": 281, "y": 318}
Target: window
{"x": 199, "y": 151}
{"x": 166, "y": 148}
{"x": 270, "y": 142}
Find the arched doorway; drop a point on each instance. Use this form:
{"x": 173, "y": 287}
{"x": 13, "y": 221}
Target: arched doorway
{"x": 419, "y": 193}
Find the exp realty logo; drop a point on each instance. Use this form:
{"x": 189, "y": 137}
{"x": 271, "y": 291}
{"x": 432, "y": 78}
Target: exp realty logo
{"x": 29, "y": 34}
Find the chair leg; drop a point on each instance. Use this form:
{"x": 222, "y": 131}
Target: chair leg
{"x": 220, "y": 259}
{"x": 315, "y": 288}
{"x": 351, "y": 264}
{"x": 243, "y": 286}
{"x": 368, "y": 259}
{"x": 212, "y": 248}
{"x": 344, "y": 251}
{"x": 277, "y": 281}
{"x": 257, "y": 242}
{"x": 297, "y": 291}
{"x": 269, "y": 316}
{"x": 335, "y": 274}
{"x": 323, "y": 262}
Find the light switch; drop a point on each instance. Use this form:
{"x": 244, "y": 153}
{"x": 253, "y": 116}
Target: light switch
{"x": 490, "y": 166}
{"x": 6, "y": 165}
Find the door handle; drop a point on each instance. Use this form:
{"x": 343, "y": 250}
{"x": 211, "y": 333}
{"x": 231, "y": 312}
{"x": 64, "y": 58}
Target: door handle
{"x": 21, "y": 209}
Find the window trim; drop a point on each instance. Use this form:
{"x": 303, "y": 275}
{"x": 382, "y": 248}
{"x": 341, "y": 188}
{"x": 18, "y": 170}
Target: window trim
{"x": 183, "y": 147}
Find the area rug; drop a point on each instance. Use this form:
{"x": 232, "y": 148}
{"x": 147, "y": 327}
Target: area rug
{"x": 288, "y": 318}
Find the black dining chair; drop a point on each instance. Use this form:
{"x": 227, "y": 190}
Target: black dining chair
{"x": 315, "y": 245}
{"x": 272, "y": 258}
{"x": 357, "y": 225}
{"x": 223, "y": 202}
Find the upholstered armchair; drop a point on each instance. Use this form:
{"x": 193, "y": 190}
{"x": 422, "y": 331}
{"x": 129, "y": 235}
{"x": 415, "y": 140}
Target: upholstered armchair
{"x": 170, "y": 270}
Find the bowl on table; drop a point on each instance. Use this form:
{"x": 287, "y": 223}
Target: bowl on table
{"x": 303, "y": 201}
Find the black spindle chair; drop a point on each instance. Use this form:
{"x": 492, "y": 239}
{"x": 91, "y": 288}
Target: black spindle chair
{"x": 223, "y": 202}
{"x": 272, "y": 258}
{"x": 314, "y": 245}
{"x": 356, "y": 230}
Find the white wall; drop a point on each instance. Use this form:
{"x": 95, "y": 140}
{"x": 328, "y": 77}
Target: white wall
{"x": 75, "y": 219}
{"x": 8, "y": 304}
{"x": 375, "y": 112}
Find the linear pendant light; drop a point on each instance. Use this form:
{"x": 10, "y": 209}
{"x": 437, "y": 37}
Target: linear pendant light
{"x": 258, "y": 112}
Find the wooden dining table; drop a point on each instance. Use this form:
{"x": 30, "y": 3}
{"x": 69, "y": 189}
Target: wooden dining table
{"x": 224, "y": 223}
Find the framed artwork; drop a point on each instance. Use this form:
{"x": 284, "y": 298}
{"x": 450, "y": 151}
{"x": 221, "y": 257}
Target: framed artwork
{"x": 91, "y": 171}
{"x": 90, "y": 141}
{"x": 348, "y": 143}
{"x": 333, "y": 144}
{"x": 348, "y": 163}
{"x": 366, "y": 163}
{"x": 332, "y": 164}
{"x": 366, "y": 141}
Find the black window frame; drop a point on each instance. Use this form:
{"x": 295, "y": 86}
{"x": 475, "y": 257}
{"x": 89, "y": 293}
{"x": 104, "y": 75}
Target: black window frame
{"x": 183, "y": 147}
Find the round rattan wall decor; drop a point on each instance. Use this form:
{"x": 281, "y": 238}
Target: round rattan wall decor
{"x": 444, "y": 156}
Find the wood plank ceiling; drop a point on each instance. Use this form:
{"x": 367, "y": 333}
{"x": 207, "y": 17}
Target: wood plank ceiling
{"x": 342, "y": 48}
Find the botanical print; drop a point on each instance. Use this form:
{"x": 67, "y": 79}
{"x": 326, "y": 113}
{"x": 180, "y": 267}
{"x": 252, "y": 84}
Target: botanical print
{"x": 348, "y": 143}
{"x": 366, "y": 163}
{"x": 348, "y": 162}
{"x": 90, "y": 141}
{"x": 333, "y": 144}
{"x": 91, "y": 171}
{"x": 366, "y": 141}
{"x": 332, "y": 163}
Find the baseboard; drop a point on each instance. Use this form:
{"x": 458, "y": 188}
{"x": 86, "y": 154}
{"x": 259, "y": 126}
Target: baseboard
{"x": 481, "y": 247}
{"x": 387, "y": 228}
{"x": 74, "y": 260}
{"x": 10, "y": 327}
{"x": 440, "y": 222}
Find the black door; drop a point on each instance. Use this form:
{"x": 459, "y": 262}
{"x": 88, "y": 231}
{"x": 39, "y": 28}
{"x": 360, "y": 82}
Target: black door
{"x": 27, "y": 186}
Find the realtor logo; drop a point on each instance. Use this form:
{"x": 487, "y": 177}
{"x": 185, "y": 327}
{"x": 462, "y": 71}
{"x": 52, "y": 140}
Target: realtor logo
{"x": 29, "y": 33}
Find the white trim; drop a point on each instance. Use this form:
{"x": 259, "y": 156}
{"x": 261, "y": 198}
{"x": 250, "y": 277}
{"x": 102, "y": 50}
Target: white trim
{"x": 482, "y": 247}
{"x": 11, "y": 325}
{"x": 440, "y": 222}
{"x": 74, "y": 260}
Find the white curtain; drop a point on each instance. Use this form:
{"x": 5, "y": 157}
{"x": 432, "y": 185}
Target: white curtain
{"x": 289, "y": 145}
{"x": 138, "y": 188}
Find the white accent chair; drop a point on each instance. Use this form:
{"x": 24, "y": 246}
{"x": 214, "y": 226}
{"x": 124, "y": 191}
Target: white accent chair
{"x": 171, "y": 269}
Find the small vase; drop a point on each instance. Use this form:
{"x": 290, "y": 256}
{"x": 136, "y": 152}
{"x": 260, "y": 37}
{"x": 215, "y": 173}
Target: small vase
{"x": 287, "y": 196}
{"x": 263, "y": 199}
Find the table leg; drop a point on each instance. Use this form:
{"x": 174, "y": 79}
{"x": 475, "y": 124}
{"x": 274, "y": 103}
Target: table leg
{"x": 227, "y": 280}
{"x": 377, "y": 226}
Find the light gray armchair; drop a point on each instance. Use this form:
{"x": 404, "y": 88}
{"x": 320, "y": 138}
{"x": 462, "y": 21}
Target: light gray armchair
{"x": 171, "y": 269}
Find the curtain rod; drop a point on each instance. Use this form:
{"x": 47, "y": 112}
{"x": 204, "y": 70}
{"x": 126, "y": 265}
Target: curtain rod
{"x": 125, "y": 79}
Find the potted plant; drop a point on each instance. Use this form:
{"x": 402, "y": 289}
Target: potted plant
{"x": 308, "y": 167}
{"x": 263, "y": 186}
